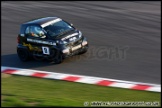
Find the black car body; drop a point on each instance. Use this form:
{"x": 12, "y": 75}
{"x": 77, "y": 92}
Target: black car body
{"x": 51, "y": 38}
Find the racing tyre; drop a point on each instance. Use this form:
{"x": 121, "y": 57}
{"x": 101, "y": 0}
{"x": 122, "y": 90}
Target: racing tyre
{"x": 56, "y": 57}
{"x": 23, "y": 54}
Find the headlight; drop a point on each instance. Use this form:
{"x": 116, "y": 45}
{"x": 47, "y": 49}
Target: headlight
{"x": 80, "y": 34}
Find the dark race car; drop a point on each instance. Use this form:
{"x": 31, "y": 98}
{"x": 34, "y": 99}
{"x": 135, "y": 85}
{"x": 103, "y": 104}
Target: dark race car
{"x": 51, "y": 38}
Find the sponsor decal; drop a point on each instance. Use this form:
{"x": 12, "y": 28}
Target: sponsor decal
{"x": 73, "y": 39}
{"x": 40, "y": 41}
{"x": 69, "y": 36}
{"x": 32, "y": 48}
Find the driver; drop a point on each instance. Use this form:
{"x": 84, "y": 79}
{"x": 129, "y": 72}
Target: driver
{"x": 39, "y": 32}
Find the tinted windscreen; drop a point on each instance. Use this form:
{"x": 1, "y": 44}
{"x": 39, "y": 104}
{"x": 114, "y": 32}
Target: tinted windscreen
{"x": 58, "y": 28}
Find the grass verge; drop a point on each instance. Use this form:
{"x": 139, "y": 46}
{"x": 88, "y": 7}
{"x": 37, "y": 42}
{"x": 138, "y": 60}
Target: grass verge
{"x": 30, "y": 91}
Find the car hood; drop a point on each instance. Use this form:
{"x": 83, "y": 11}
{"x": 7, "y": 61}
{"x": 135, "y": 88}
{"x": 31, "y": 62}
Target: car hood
{"x": 70, "y": 36}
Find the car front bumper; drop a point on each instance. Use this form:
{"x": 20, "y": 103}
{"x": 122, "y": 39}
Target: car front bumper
{"x": 76, "y": 49}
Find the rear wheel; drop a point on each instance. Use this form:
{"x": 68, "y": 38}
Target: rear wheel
{"x": 23, "y": 54}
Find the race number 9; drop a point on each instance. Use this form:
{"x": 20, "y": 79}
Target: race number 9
{"x": 46, "y": 50}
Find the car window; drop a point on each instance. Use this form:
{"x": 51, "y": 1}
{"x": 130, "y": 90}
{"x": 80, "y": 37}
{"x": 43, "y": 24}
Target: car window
{"x": 57, "y": 28}
{"x": 34, "y": 31}
{"x": 27, "y": 30}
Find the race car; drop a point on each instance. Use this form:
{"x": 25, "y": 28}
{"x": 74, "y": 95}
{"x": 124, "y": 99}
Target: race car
{"x": 51, "y": 38}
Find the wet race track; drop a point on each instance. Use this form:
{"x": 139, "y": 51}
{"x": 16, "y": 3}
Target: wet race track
{"x": 124, "y": 37}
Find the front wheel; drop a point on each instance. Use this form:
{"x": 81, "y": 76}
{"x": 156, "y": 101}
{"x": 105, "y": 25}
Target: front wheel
{"x": 58, "y": 59}
{"x": 56, "y": 56}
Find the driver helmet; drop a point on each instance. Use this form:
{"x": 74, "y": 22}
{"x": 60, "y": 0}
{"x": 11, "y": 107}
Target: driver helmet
{"x": 39, "y": 31}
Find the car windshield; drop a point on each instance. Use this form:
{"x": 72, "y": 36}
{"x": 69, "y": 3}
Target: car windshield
{"x": 58, "y": 28}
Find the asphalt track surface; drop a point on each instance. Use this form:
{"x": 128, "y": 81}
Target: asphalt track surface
{"x": 124, "y": 37}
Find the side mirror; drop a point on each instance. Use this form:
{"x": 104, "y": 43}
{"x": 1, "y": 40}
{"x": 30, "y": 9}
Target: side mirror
{"x": 71, "y": 24}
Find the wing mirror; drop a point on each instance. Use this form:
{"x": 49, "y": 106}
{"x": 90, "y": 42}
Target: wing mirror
{"x": 71, "y": 24}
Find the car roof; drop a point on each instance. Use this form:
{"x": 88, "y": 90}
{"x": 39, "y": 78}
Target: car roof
{"x": 40, "y": 21}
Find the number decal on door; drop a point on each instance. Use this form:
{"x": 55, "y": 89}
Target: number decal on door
{"x": 46, "y": 50}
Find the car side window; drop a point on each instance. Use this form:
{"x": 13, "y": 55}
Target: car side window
{"x": 34, "y": 31}
{"x": 27, "y": 31}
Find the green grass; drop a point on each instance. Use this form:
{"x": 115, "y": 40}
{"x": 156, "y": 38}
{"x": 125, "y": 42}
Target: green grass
{"x": 30, "y": 91}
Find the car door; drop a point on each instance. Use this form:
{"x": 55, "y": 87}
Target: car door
{"x": 37, "y": 40}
